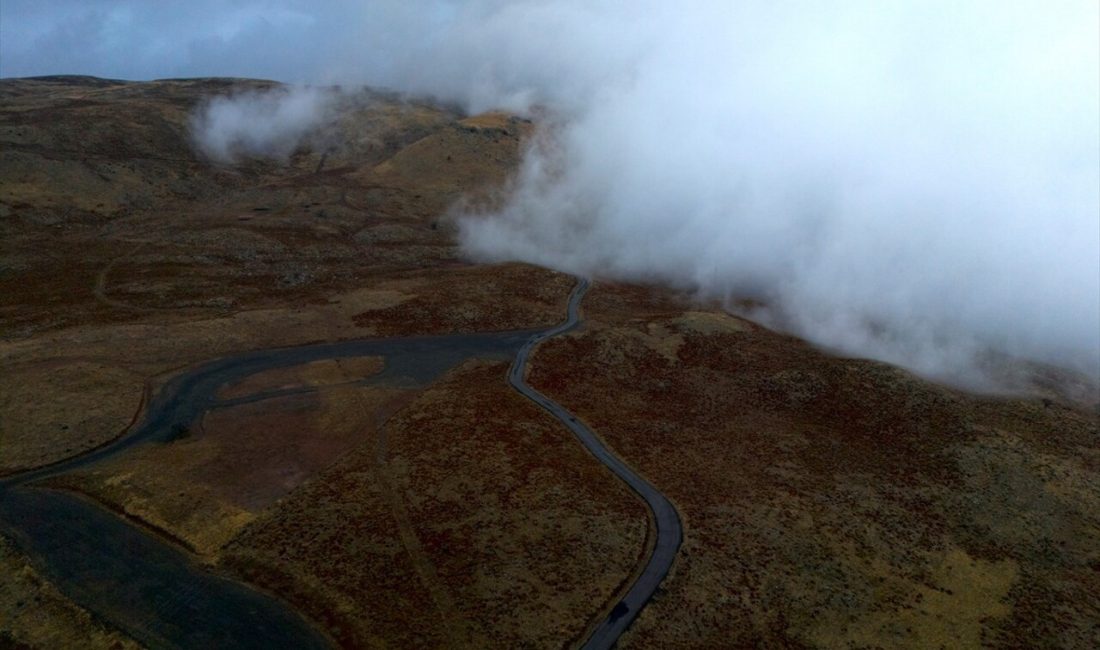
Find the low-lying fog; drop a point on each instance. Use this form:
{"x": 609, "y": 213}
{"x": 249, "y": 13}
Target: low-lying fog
{"x": 917, "y": 182}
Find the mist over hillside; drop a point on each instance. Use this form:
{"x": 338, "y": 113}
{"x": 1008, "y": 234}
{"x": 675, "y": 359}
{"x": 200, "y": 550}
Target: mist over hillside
{"x": 917, "y": 182}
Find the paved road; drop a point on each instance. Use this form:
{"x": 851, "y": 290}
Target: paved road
{"x": 152, "y": 590}
{"x": 114, "y": 569}
{"x": 187, "y": 396}
{"x": 669, "y": 529}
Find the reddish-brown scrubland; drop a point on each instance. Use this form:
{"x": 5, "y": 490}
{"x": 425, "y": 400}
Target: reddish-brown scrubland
{"x": 827, "y": 502}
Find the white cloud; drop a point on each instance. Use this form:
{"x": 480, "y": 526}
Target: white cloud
{"x": 269, "y": 124}
{"x": 913, "y": 181}
{"x": 918, "y": 183}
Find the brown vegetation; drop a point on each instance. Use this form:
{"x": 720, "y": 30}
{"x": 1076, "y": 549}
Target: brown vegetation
{"x": 826, "y": 502}
{"x": 470, "y": 519}
{"x": 832, "y": 502}
{"x": 126, "y": 256}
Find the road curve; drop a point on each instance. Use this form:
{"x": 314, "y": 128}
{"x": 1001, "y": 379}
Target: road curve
{"x": 669, "y": 532}
{"x": 155, "y": 592}
{"x": 183, "y": 399}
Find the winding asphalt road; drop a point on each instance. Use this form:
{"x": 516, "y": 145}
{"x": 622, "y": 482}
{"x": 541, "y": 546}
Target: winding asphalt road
{"x": 669, "y": 532}
{"x": 182, "y": 401}
{"x": 154, "y": 591}
{"x": 162, "y": 597}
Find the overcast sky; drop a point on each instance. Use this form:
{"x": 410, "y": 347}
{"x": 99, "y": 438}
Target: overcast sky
{"x": 144, "y": 40}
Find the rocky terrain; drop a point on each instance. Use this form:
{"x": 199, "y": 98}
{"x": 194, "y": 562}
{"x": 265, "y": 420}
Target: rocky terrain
{"x": 826, "y": 502}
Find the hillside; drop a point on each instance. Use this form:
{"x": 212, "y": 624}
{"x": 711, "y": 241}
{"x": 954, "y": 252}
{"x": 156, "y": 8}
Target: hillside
{"x": 418, "y": 501}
